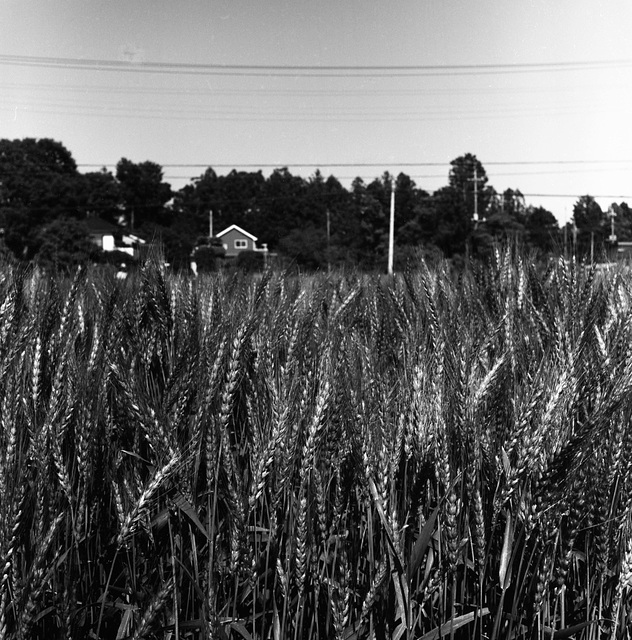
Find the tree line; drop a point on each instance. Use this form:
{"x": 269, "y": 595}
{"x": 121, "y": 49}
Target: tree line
{"x": 314, "y": 222}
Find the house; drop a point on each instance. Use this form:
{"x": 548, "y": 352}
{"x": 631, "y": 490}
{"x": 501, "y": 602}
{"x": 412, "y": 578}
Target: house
{"x": 624, "y": 250}
{"x": 102, "y": 233}
{"x": 111, "y": 237}
{"x": 236, "y": 241}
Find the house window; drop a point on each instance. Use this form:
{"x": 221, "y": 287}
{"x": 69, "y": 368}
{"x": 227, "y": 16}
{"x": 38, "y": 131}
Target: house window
{"x": 241, "y": 244}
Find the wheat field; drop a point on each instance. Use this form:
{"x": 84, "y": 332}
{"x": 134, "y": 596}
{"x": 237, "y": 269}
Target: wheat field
{"x": 437, "y": 455}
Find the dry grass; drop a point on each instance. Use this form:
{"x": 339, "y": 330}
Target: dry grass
{"x": 345, "y": 457}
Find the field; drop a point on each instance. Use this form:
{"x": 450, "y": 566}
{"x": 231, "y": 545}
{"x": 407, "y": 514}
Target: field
{"x": 435, "y": 455}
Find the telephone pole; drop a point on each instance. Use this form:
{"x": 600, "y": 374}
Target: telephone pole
{"x": 475, "y": 181}
{"x": 475, "y": 215}
{"x": 391, "y": 231}
{"x": 210, "y": 223}
{"x": 328, "y": 242}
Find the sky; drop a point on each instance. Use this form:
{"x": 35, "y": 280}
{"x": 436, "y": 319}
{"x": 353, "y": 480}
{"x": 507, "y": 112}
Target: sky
{"x": 539, "y": 91}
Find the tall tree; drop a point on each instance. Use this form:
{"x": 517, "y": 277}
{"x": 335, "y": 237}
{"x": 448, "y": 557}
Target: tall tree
{"x": 622, "y": 221}
{"x": 240, "y": 194}
{"x": 591, "y": 225}
{"x": 453, "y": 222}
{"x": 542, "y": 230}
{"x": 144, "y": 193}
{"x": 64, "y": 244}
{"x": 343, "y": 223}
{"x": 282, "y": 207}
{"x": 100, "y": 196}
{"x": 468, "y": 177}
{"x": 38, "y": 183}
{"x": 193, "y": 203}
{"x": 371, "y": 204}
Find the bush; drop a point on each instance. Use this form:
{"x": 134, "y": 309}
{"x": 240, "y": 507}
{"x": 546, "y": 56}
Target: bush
{"x": 207, "y": 258}
{"x": 250, "y": 261}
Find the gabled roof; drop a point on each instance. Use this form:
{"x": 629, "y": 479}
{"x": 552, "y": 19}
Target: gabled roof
{"x": 234, "y": 227}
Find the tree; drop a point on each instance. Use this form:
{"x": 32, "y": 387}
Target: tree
{"x": 144, "y": 193}
{"x": 100, "y": 196}
{"x": 468, "y": 177}
{"x": 513, "y": 205}
{"x": 307, "y": 247}
{"x": 453, "y": 223}
{"x": 409, "y": 200}
{"x": 372, "y": 231}
{"x": 591, "y": 225}
{"x": 39, "y": 182}
{"x": 452, "y": 209}
{"x": 239, "y": 201}
{"x": 622, "y": 221}
{"x": 282, "y": 207}
{"x": 64, "y": 244}
{"x": 207, "y": 254}
{"x": 542, "y": 230}
{"x": 505, "y": 217}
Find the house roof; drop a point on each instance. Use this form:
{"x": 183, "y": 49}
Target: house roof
{"x": 234, "y": 227}
{"x": 132, "y": 237}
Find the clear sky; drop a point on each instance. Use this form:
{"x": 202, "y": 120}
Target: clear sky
{"x": 539, "y": 90}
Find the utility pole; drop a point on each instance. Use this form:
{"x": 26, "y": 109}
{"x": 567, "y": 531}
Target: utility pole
{"x": 210, "y": 224}
{"x": 328, "y": 237}
{"x": 475, "y": 195}
{"x": 391, "y": 231}
{"x": 612, "y": 240}
{"x": 475, "y": 215}
{"x": 475, "y": 181}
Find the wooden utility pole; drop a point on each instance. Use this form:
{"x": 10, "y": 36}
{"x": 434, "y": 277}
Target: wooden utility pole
{"x": 612, "y": 240}
{"x": 475, "y": 195}
{"x": 328, "y": 239}
{"x": 475, "y": 181}
{"x": 391, "y": 231}
{"x": 210, "y": 223}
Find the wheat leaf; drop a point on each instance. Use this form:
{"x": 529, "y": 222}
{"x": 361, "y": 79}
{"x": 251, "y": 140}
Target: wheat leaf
{"x": 187, "y": 508}
{"x": 505, "y": 554}
{"x": 421, "y": 544}
{"x": 454, "y": 624}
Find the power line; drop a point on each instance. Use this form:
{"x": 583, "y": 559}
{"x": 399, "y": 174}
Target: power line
{"x": 362, "y": 164}
{"x": 307, "y": 70}
{"x": 112, "y": 89}
{"x": 116, "y": 112}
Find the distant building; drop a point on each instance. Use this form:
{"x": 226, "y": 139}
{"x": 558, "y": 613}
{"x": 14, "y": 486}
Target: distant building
{"x": 624, "y": 250}
{"x": 102, "y": 233}
{"x": 236, "y": 241}
{"x": 111, "y": 237}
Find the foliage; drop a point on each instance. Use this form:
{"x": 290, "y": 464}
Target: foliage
{"x": 250, "y": 261}
{"x": 307, "y": 247}
{"x": 144, "y": 193}
{"x": 542, "y": 230}
{"x": 312, "y": 222}
{"x": 38, "y": 184}
{"x": 64, "y": 244}
{"x": 590, "y": 222}
{"x": 332, "y": 457}
{"x": 208, "y": 254}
